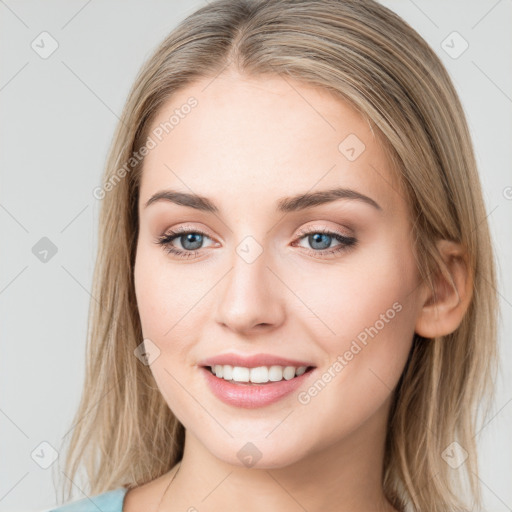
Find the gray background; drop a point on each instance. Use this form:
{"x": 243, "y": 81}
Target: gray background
{"x": 58, "y": 117}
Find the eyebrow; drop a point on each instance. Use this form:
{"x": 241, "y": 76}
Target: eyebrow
{"x": 286, "y": 204}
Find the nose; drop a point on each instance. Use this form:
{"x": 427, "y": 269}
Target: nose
{"x": 251, "y": 297}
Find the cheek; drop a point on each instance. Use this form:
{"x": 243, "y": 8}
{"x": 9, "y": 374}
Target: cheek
{"x": 370, "y": 312}
{"x": 368, "y": 291}
{"x": 174, "y": 306}
{"x": 152, "y": 301}
{"x": 364, "y": 317}
{"x": 165, "y": 294}
{"x": 170, "y": 318}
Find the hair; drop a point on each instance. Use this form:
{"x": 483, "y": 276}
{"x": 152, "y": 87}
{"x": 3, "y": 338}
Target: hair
{"x": 124, "y": 432}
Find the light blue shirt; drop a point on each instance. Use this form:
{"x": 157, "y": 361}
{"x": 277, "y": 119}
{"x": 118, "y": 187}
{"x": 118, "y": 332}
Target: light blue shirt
{"x": 110, "y": 501}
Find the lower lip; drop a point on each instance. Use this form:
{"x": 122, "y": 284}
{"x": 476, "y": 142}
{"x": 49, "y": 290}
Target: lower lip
{"x": 251, "y": 396}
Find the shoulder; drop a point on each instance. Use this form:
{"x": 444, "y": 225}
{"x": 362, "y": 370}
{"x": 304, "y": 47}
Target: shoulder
{"x": 122, "y": 499}
{"x": 110, "y": 501}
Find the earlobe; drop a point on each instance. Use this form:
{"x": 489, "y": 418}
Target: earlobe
{"x": 443, "y": 309}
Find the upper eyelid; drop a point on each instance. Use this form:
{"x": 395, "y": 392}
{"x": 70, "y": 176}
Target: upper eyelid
{"x": 314, "y": 229}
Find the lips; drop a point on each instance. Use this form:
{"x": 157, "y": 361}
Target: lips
{"x": 253, "y": 361}
{"x": 251, "y": 396}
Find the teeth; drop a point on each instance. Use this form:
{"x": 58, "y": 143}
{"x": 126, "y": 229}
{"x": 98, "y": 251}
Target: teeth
{"x": 259, "y": 375}
{"x": 241, "y": 374}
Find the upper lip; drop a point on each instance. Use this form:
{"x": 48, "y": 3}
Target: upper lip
{"x": 252, "y": 361}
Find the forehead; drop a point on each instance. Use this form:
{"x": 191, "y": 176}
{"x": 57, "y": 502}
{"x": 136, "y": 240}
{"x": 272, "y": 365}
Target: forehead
{"x": 257, "y": 139}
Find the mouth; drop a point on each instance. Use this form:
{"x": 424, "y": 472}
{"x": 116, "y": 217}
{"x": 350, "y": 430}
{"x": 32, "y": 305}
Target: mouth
{"x": 260, "y": 376}
{"x": 254, "y": 387}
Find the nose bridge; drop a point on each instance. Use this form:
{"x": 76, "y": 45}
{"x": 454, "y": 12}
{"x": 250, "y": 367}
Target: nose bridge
{"x": 249, "y": 296}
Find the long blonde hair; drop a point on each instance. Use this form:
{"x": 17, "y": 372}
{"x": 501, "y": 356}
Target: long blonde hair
{"x": 123, "y": 432}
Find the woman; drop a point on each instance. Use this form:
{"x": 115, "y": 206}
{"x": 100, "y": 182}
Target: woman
{"x": 295, "y": 277}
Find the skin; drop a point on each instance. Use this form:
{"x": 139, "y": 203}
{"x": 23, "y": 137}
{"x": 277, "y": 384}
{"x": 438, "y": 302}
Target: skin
{"x": 248, "y": 143}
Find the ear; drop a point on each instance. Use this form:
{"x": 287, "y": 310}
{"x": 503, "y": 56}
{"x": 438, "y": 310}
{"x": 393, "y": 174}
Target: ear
{"x": 442, "y": 310}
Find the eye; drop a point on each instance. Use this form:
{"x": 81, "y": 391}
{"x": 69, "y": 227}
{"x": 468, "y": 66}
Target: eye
{"x": 190, "y": 240}
{"x": 321, "y": 239}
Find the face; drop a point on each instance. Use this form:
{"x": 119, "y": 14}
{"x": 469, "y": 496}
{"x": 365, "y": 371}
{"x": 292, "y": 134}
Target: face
{"x": 330, "y": 282}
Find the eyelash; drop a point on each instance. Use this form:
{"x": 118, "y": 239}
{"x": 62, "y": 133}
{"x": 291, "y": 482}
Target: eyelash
{"x": 166, "y": 240}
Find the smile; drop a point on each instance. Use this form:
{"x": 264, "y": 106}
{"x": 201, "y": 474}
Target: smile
{"x": 258, "y": 375}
